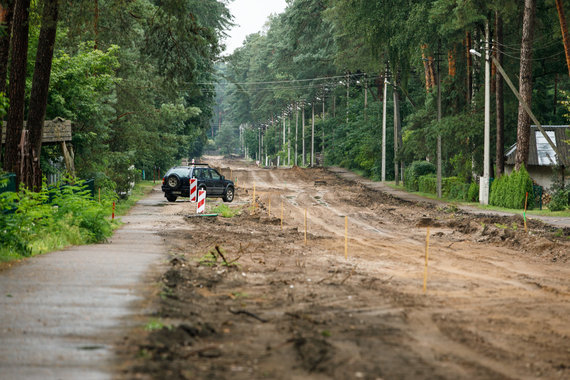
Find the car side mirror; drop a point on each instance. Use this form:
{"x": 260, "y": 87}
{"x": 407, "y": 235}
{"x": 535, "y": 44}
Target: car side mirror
{"x": 223, "y": 178}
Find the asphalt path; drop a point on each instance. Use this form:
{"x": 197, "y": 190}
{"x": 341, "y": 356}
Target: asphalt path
{"x": 62, "y": 313}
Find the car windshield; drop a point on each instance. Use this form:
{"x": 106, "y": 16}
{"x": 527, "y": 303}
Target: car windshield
{"x": 179, "y": 171}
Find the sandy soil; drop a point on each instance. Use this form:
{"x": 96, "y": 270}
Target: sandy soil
{"x": 247, "y": 298}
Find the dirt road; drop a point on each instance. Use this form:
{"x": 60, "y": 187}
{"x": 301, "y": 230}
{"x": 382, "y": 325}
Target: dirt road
{"x": 247, "y": 298}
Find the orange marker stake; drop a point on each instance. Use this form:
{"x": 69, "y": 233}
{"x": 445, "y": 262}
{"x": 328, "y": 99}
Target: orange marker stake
{"x": 305, "y": 226}
{"x": 346, "y": 237}
{"x": 281, "y": 214}
{"x": 254, "y": 197}
{"x": 427, "y": 256}
{"x": 113, "y": 214}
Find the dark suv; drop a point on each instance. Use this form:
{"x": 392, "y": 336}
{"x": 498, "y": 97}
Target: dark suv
{"x": 176, "y": 182}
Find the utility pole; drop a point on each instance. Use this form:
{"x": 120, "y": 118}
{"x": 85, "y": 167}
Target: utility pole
{"x": 365, "y": 96}
{"x": 397, "y": 134}
{"x": 334, "y": 105}
{"x": 296, "y": 129}
{"x": 384, "y": 126}
{"x": 484, "y": 183}
{"x": 347, "y": 94}
{"x": 303, "y": 131}
{"x": 289, "y": 142}
{"x": 323, "y": 129}
{"x": 439, "y": 192}
{"x": 313, "y": 136}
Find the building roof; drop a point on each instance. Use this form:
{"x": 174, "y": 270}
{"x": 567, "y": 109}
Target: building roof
{"x": 540, "y": 152}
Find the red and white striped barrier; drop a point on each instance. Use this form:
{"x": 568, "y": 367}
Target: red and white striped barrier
{"x": 201, "y": 202}
{"x": 193, "y": 187}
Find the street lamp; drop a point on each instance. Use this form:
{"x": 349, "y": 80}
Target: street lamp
{"x": 484, "y": 181}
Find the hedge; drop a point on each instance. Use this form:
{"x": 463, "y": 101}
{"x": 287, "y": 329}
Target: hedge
{"x": 451, "y": 187}
{"x": 509, "y": 191}
{"x": 415, "y": 171}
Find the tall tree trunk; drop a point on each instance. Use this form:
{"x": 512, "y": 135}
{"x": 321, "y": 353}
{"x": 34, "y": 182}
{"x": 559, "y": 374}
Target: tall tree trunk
{"x": 6, "y": 14}
{"x": 427, "y": 69}
{"x": 40, "y": 86}
{"x": 499, "y": 101}
{"x": 555, "y": 94}
{"x": 18, "y": 59}
{"x": 469, "y": 78}
{"x": 525, "y": 84}
{"x": 96, "y": 23}
{"x": 451, "y": 62}
{"x": 562, "y": 18}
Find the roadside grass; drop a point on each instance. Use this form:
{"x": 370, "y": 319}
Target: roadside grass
{"x": 48, "y": 233}
{"x": 225, "y": 211}
{"x": 544, "y": 212}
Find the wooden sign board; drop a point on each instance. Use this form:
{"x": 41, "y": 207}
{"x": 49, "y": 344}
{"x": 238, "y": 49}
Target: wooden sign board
{"x": 55, "y": 131}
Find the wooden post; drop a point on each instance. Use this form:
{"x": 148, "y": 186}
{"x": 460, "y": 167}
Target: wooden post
{"x": 346, "y": 237}
{"x": 305, "y": 226}
{"x": 427, "y": 257}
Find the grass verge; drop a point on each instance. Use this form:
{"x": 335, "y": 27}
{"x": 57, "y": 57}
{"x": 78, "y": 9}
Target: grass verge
{"x": 543, "y": 212}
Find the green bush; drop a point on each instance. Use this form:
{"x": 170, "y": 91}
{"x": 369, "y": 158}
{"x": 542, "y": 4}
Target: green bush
{"x": 32, "y": 223}
{"x": 454, "y": 188}
{"x": 473, "y": 192}
{"x": 509, "y": 191}
{"x": 427, "y": 184}
{"x": 559, "y": 200}
{"x": 415, "y": 171}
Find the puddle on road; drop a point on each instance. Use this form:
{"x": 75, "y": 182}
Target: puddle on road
{"x": 91, "y": 348}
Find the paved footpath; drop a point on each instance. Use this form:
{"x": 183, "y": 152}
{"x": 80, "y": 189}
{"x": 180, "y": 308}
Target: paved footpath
{"x": 61, "y": 313}
{"x": 559, "y": 222}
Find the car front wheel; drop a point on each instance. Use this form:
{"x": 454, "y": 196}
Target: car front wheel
{"x": 229, "y": 195}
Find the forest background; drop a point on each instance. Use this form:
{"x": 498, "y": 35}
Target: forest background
{"x": 145, "y": 85}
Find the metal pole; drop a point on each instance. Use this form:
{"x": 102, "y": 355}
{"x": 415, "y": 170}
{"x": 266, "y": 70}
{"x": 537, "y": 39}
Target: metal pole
{"x": 303, "y": 133}
{"x": 484, "y": 181}
{"x": 289, "y": 142}
{"x": 313, "y": 137}
{"x": 384, "y": 127}
{"x": 439, "y": 192}
{"x": 323, "y": 128}
{"x": 296, "y": 129}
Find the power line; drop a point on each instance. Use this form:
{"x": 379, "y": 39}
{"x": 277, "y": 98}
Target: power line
{"x": 286, "y": 81}
{"x": 532, "y": 59}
